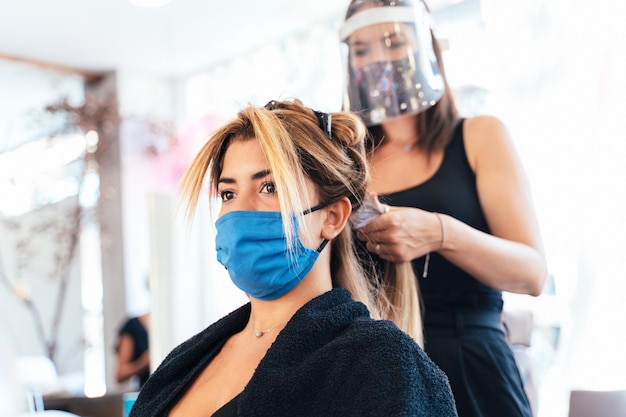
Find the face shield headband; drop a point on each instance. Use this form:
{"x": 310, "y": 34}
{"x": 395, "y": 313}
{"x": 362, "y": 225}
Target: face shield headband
{"x": 404, "y": 79}
{"x": 372, "y": 16}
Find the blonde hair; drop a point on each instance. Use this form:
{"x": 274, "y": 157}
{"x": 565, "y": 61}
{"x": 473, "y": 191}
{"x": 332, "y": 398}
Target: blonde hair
{"x": 400, "y": 299}
{"x": 296, "y": 149}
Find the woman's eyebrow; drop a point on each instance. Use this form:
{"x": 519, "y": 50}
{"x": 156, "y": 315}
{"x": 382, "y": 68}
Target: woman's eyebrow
{"x": 261, "y": 174}
{"x": 226, "y": 180}
{"x": 257, "y": 175}
{"x": 358, "y": 43}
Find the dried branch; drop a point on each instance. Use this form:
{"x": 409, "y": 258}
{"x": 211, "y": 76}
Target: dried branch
{"x": 99, "y": 114}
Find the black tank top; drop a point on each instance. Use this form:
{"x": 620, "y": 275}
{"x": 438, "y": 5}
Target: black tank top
{"x": 451, "y": 190}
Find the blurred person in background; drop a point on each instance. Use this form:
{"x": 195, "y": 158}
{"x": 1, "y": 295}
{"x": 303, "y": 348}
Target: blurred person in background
{"x": 133, "y": 354}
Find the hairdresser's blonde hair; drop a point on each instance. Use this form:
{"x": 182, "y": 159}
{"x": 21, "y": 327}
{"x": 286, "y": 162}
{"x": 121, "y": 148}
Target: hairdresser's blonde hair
{"x": 296, "y": 149}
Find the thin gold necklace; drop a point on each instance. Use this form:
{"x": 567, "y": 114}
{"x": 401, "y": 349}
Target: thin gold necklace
{"x": 408, "y": 147}
{"x": 259, "y": 333}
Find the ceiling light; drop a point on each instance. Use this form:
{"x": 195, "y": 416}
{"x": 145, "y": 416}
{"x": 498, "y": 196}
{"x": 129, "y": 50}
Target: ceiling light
{"x": 149, "y": 3}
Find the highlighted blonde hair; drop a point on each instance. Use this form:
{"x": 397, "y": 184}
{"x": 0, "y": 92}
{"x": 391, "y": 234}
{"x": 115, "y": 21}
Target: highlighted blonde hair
{"x": 298, "y": 149}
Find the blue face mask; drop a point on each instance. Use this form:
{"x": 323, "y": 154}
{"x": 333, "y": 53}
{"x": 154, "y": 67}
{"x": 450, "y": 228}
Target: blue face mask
{"x": 253, "y": 247}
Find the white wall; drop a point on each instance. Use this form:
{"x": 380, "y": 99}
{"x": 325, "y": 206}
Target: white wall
{"x": 24, "y": 91}
{"x": 190, "y": 289}
{"x": 553, "y": 69}
{"x": 147, "y": 110}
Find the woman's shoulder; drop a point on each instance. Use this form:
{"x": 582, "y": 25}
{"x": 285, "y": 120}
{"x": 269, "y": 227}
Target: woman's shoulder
{"x": 399, "y": 363}
{"x": 485, "y": 136}
{"x": 383, "y": 329}
{"x": 484, "y": 128}
{"x": 129, "y": 325}
{"x": 383, "y": 339}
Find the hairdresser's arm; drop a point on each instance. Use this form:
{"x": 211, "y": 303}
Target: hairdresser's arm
{"x": 509, "y": 260}
{"x": 126, "y": 367}
{"x": 512, "y": 259}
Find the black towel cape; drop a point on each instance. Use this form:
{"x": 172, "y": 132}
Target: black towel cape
{"x": 331, "y": 359}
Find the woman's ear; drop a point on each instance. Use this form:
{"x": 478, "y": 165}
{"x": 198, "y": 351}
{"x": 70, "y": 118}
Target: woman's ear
{"x": 337, "y": 215}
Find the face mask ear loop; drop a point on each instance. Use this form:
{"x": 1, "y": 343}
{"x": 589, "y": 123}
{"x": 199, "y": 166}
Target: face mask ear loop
{"x": 322, "y": 245}
{"x": 315, "y": 208}
{"x": 311, "y": 210}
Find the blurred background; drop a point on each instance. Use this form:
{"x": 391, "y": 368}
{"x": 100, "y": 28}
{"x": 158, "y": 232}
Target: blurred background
{"x": 103, "y": 104}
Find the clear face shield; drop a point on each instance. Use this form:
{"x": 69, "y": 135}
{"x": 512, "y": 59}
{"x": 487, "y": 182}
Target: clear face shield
{"x": 391, "y": 65}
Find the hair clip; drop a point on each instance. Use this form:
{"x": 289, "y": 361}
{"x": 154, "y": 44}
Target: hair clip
{"x": 324, "y": 120}
{"x": 271, "y": 105}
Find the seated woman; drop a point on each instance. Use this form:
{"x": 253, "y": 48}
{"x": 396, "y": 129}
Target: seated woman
{"x": 132, "y": 349}
{"x": 308, "y": 343}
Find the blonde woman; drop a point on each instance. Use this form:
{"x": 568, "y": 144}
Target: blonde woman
{"x": 308, "y": 343}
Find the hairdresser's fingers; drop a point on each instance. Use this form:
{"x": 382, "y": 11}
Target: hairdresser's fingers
{"x": 373, "y": 236}
{"x": 379, "y": 227}
{"x": 380, "y": 207}
{"x": 385, "y": 252}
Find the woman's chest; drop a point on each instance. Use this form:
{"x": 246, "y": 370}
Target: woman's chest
{"x": 220, "y": 381}
{"x": 397, "y": 170}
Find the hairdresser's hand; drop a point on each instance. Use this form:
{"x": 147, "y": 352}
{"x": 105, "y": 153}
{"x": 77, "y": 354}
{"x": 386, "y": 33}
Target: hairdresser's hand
{"x": 401, "y": 234}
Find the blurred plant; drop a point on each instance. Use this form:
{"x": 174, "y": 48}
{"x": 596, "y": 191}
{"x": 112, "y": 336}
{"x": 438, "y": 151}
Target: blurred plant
{"x": 97, "y": 119}
{"x": 66, "y": 234}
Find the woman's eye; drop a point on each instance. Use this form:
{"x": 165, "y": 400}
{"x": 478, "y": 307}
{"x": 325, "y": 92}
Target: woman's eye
{"x": 360, "y": 53}
{"x": 226, "y": 195}
{"x": 395, "y": 43}
{"x": 269, "y": 188}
